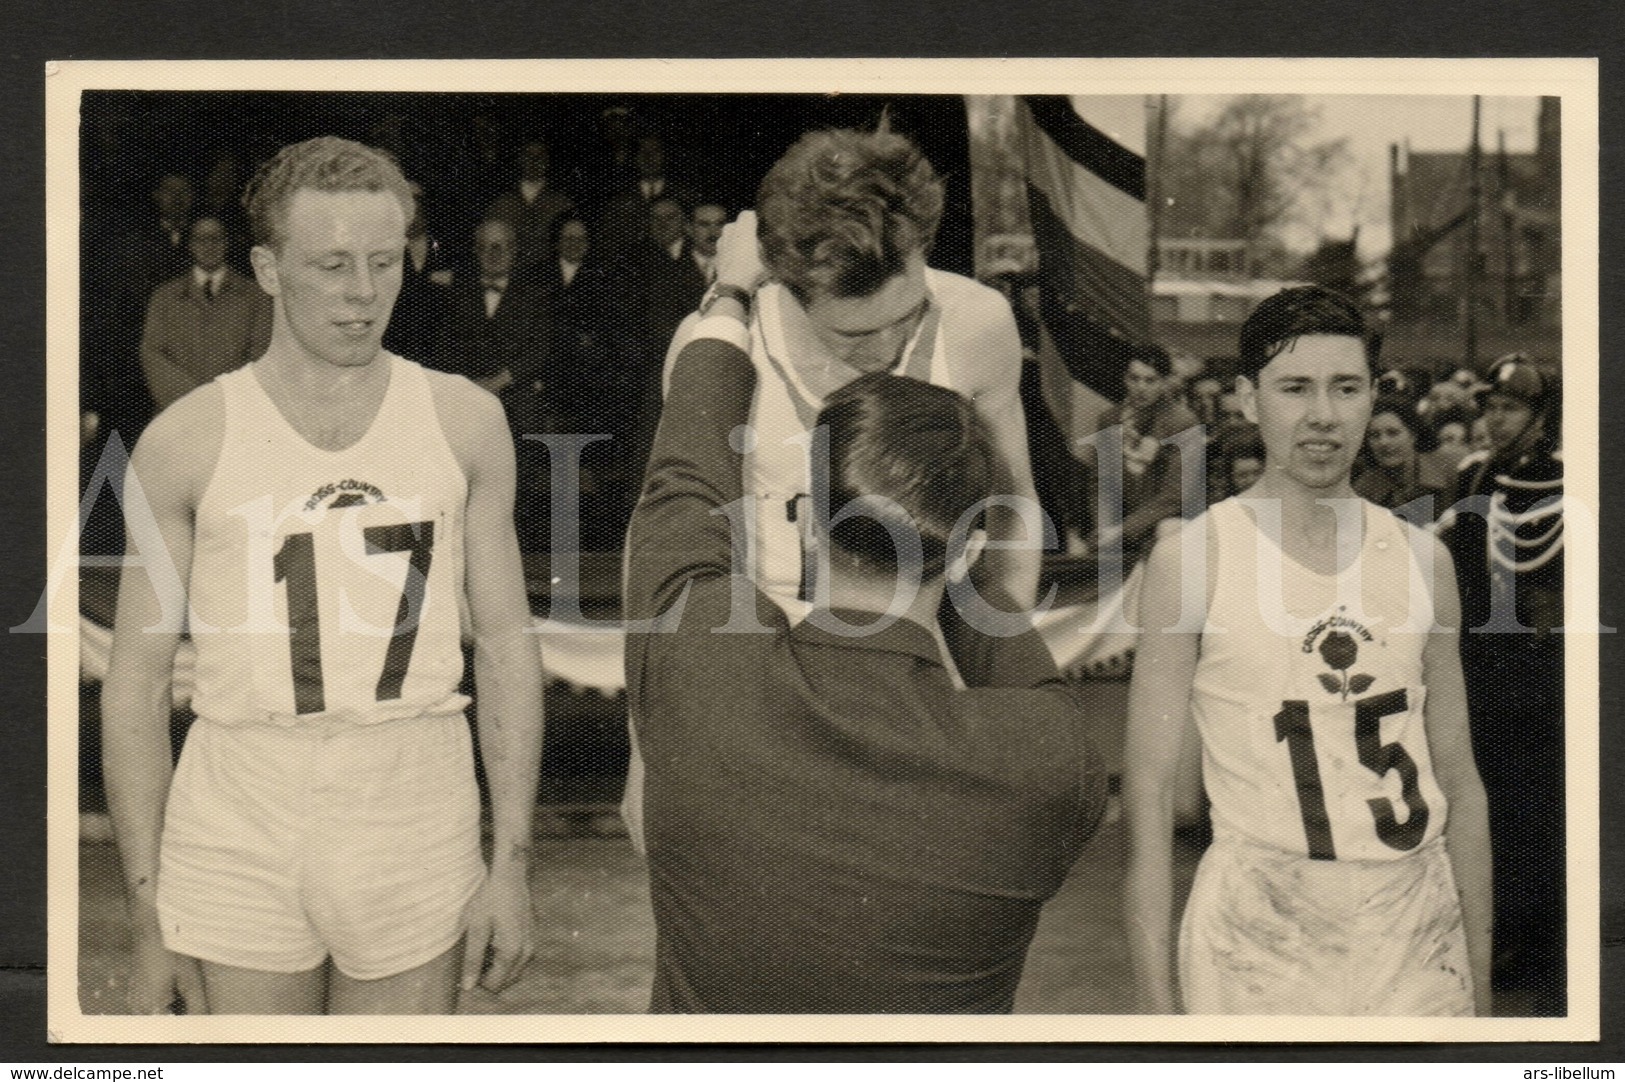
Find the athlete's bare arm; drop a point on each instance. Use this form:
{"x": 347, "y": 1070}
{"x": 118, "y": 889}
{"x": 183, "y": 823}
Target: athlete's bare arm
{"x": 168, "y": 472}
{"x": 1467, "y": 834}
{"x": 995, "y": 383}
{"x": 1159, "y": 729}
{"x": 507, "y": 678}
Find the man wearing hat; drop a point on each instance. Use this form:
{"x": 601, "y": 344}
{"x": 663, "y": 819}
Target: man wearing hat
{"x": 1504, "y": 529}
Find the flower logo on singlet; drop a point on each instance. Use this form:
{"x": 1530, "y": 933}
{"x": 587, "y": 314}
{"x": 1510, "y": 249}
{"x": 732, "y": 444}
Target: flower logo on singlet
{"x": 1340, "y": 650}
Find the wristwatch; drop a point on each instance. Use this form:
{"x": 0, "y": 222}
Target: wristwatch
{"x": 719, "y": 290}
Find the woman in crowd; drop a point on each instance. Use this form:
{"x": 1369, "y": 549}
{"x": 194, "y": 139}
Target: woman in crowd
{"x": 1451, "y": 427}
{"x": 1391, "y": 477}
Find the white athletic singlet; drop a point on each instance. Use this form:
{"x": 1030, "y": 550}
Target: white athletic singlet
{"x": 1313, "y": 742}
{"x": 962, "y": 318}
{"x": 327, "y": 585}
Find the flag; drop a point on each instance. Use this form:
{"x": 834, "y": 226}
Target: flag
{"x": 1085, "y": 164}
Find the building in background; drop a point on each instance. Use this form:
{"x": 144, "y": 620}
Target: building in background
{"x": 1515, "y": 276}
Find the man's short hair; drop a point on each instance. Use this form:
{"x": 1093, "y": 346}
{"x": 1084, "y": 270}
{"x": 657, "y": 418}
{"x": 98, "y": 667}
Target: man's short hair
{"x": 906, "y": 453}
{"x": 1293, "y": 313}
{"x": 324, "y": 164}
{"x": 1155, "y": 358}
{"x": 556, "y": 230}
{"x": 843, "y": 210}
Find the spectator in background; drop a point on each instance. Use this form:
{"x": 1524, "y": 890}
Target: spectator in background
{"x": 531, "y": 208}
{"x": 1237, "y": 462}
{"x": 596, "y": 337}
{"x": 205, "y": 322}
{"x": 1246, "y": 466}
{"x": 159, "y": 248}
{"x": 120, "y": 270}
{"x": 1450, "y": 431}
{"x": 704, "y": 228}
{"x": 1152, "y": 467}
{"x": 1460, "y": 390}
{"x": 608, "y": 169}
{"x": 668, "y": 228}
{"x": 1389, "y": 472}
{"x": 422, "y": 300}
{"x": 1228, "y": 410}
{"x": 1202, "y": 395}
{"x": 571, "y": 243}
{"x": 678, "y": 271}
{"x": 222, "y": 198}
{"x": 496, "y": 332}
{"x": 653, "y": 183}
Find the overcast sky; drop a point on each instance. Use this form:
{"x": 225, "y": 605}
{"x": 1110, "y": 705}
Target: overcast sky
{"x": 1359, "y": 194}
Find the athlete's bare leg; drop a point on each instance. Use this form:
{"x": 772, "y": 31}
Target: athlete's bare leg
{"x": 430, "y": 988}
{"x": 234, "y": 990}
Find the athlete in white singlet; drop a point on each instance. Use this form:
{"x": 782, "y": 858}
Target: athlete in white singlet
{"x": 1308, "y": 640}
{"x": 960, "y": 335}
{"x": 840, "y": 288}
{"x": 329, "y": 521}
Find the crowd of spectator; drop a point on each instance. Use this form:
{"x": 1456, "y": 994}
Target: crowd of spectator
{"x": 561, "y": 302}
{"x": 1128, "y": 480}
{"x": 561, "y": 298}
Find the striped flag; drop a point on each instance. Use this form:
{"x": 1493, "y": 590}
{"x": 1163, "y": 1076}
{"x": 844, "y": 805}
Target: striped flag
{"x": 1085, "y": 161}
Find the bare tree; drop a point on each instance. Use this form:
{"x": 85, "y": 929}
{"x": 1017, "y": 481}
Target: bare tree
{"x": 1247, "y": 171}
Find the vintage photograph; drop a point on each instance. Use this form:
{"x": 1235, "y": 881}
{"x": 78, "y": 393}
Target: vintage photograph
{"x": 1102, "y": 551}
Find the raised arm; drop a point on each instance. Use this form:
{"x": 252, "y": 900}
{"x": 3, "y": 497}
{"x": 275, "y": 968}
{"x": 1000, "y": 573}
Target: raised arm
{"x": 1467, "y": 835}
{"x": 680, "y": 532}
{"x": 508, "y": 680}
{"x": 997, "y": 354}
{"x": 1159, "y": 727}
{"x": 159, "y": 502}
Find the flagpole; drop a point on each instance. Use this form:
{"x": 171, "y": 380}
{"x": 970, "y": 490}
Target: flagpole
{"x": 1154, "y": 200}
{"x": 1475, "y": 191}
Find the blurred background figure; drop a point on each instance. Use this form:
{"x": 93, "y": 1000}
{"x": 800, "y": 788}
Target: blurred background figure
{"x": 1153, "y": 469}
{"x": 207, "y": 321}
{"x": 531, "y": 207}
{"x": 222, "y": 199}
{"x": 421, "y": 304}
{"x": 1450, "y": 432}
{"x": 496, "y": 331}
{"x": 159, "y": 245}
{"x": 1389, "y": 471}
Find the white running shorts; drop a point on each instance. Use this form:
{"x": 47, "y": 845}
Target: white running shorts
{"x": 1267, "y": 932}
{"x": 286, "y": 846}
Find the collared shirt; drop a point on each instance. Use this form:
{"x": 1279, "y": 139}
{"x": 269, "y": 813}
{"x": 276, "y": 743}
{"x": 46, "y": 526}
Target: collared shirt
{"x": 652, "y": 188}
{"x": 530, "y": 189}
{"x": 707, "y": 265}
{"x": 567, "y": 271}
{"x": 209, "y": 281}
{"x": 832, "y": 826}
{"x": 494, "y": 288}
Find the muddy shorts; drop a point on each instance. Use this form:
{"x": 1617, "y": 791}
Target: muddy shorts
{"x": 1267, "y": 932}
